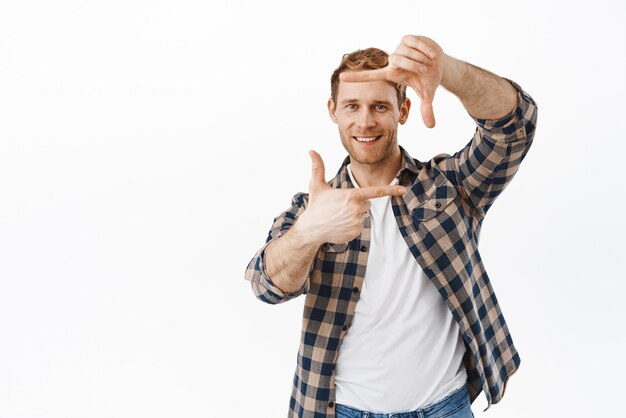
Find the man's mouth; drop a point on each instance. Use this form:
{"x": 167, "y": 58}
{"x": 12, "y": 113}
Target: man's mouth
{"x": 367, "y": 138}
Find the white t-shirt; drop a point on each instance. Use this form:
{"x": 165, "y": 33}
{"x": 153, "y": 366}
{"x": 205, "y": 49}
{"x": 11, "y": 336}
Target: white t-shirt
{"x": 403, "y": 350}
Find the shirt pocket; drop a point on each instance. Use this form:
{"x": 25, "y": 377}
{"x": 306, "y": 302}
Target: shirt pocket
{"x": 334, "y": 248}
{"x": 326, "y": 278}
{"x": 441, "y": 222}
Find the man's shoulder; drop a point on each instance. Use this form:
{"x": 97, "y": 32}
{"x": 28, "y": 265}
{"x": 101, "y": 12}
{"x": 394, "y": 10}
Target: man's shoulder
{"x": 432, "y": 170}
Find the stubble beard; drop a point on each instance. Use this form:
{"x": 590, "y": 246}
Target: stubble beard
{"x": 371, "y": 159}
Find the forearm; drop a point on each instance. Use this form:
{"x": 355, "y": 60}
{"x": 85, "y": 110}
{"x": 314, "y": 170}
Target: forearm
{"x": 288, "y": 260}
{"x": 484, "y": 94}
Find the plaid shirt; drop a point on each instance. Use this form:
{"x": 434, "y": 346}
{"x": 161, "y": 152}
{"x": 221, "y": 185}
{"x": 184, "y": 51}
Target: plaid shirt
{"x": 440, "y": 219}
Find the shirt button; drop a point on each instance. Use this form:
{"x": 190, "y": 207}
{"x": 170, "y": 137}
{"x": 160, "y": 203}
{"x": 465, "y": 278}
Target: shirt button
{"x": 331, "y": 404}
{"x": 345, "y": 327}
{"x": 355, "y": 290}
{"x": 437, "y": 205}
{"x": 363, "y": 248}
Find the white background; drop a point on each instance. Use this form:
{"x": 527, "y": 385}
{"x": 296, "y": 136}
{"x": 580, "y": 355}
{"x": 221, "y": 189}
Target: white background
{"x": 145, "y": 147}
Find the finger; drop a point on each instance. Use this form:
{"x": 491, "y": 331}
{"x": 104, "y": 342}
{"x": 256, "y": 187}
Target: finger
{"x": 413, "y": 54}
{"x": 366, "y": 206}
{"x": 407, "y": 64}
{"x": 373, "y": 192}
{"x": 418, "y": 43}
{"x": 318, "y": 171}
{"x": 426, "y": 108}
{"x": 366, "y": 75}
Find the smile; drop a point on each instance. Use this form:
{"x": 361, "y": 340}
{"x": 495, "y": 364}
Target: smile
{"x": 366, "y": 138}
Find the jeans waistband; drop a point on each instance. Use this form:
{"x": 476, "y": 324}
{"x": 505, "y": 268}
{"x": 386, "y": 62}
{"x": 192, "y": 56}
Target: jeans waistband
{"x": 449, "y": 403}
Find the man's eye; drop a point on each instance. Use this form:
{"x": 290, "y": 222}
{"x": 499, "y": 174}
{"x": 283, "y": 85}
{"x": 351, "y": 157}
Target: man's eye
{"x": 351, "y": 106}
{"x": 380, "y": 107}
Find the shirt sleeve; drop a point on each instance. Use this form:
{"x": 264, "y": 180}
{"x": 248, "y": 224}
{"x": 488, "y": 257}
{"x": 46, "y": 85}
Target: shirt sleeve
{"x": 486, "y": 165}
{"x": 262, "y": 286}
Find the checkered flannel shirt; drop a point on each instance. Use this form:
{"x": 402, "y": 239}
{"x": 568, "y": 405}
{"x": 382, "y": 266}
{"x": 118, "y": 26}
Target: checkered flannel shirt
{"x": 440, "y": 219}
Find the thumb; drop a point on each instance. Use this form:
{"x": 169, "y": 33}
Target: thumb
{"x": 318, "y": 172}
{"x": 426, "y": 109}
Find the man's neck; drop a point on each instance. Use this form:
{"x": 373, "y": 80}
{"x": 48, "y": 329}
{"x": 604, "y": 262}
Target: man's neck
{"x": 380, "y": 174}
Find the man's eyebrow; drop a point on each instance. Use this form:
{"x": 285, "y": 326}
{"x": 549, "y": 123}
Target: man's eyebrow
{"x": 384, "y": 102}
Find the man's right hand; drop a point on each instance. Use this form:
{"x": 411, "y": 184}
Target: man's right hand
{"x": 336, "y": 215}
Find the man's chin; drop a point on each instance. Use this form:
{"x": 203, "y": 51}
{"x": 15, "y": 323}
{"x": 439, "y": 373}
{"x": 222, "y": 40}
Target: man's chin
{"x": 365, "y": 159}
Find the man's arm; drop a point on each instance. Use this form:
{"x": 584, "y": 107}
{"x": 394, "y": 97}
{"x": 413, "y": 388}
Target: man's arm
{"x": 484, "y": 94}
{"x": 263, "y": 287}
{"x": 505, "y": 116}
{"x": 288, "y": 260}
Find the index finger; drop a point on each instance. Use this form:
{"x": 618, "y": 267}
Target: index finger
{"x": 373, "y": 192}
{"x": 419, "y": 44}
{"x": 365, "y": 75}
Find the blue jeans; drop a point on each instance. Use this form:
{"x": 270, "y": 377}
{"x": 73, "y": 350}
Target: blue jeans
{"x": 455, "y": 405}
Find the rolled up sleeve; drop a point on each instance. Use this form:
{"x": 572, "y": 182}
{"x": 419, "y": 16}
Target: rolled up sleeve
{"x": 262, "y": 286}
{"x": 486, "y": 165}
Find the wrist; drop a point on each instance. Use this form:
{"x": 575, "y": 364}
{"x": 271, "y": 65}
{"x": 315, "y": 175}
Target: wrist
{"x": 453, "y": 74}
{"x": 304, "y": 235}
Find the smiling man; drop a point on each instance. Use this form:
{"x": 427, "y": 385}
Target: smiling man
{"x": 400, "y": 317}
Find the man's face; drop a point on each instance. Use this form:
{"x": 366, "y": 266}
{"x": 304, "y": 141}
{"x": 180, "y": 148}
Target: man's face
{"x": 367, "y": 115}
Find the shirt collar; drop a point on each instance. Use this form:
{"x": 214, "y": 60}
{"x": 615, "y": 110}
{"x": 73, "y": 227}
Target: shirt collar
{"x": 409, "y": 168}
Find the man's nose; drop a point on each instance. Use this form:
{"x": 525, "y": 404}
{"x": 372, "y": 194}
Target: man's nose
{"x": 365, "y": 119}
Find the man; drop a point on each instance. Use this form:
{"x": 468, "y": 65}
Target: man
{"x": 399, "y": 315}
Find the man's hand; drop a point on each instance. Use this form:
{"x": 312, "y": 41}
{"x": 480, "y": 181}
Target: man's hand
{"x": 336, "y": 215}
{"x": 418, "y": 62}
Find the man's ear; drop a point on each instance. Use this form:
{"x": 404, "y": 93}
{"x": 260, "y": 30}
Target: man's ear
{"x": 332, "y": 109}
{"x": 404, "y": 111}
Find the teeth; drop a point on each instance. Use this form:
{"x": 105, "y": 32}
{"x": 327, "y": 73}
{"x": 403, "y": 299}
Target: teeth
{"x": 366, "y": 138}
